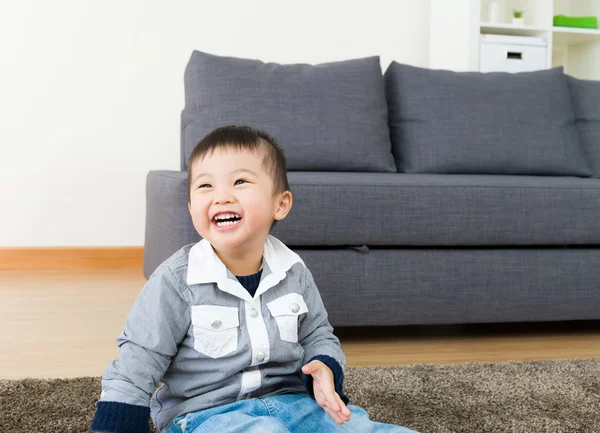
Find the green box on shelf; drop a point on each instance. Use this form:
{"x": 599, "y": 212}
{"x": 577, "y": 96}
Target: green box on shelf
{"x": 579, "y": 22}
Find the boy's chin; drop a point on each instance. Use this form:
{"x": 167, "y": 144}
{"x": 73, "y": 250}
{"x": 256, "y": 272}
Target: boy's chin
{"x": 227, "y": 241}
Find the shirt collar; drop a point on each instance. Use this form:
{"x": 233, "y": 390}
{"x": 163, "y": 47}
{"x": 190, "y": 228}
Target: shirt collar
{"x": 204, "y": 266}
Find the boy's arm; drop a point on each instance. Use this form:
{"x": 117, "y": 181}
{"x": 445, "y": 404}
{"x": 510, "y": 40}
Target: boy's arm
{"x": 317, "y": 339}
{"x": 154, "y": 327}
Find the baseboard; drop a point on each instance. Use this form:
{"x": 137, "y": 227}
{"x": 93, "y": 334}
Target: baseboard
{"x": 71, "y": 258}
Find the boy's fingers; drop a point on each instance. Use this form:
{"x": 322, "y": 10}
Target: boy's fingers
{"x": 343, "y": 408}
{"x": 327, "y": 397}
{"x": 327, "y": 394}
{"x": 334, "y": 415}
{"x": 312, "y": 367}
{"x": 330, "y": 407}
{"x": 342, "y": 412}
{"x": 333, "y": 405}
{"x": 309, "y": 368}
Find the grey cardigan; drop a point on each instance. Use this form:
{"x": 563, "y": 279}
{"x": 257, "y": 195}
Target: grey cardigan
{"x": 197, "y": 330}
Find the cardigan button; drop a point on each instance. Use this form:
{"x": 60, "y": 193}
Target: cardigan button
{"x": 295, "y": 308}
{"x": 216, "y": 324}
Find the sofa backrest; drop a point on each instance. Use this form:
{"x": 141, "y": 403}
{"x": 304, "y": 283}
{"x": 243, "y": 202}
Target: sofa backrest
{"x": 483, "y": 123}
{"x": 326, "y": 117}
{"x": 585, "y": 96}
{"x": 339, "y": 116}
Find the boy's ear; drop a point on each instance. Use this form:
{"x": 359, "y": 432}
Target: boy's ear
{"x": 285, "y": 205}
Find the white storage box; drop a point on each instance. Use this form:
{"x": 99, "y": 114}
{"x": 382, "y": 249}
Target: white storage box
{"x": 500, "y": 53}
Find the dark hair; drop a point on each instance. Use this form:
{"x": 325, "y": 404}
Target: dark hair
{"x": 243, "y": 138}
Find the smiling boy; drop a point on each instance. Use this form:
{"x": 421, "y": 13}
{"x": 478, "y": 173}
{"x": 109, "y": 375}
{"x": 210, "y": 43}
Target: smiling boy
{"x": 233, "y": 326}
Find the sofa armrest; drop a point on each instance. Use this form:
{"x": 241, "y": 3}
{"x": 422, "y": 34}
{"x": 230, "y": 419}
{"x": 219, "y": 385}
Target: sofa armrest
{"x": 168, "y": 223}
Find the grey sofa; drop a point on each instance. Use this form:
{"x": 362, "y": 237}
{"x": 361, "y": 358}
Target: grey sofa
{"x": 420, "y": 196}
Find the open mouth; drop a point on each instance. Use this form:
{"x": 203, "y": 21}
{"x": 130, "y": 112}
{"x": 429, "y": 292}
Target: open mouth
{"x": 226, "y": 220}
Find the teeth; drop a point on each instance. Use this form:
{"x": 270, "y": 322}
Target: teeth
{"x": 226, "y": 223}
{"x": 226, "y": 216}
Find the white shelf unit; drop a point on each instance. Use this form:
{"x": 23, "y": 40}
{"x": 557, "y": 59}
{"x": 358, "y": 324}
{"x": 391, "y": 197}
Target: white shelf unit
{"x": 511, "y": 29}
{"x": 566, "y": 36}
{"x": 577, "y": 50}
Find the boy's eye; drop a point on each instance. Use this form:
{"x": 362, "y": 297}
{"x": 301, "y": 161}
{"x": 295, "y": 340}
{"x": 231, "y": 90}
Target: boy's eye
{"x": 204, "y": 185}
{"x": 239, "y": 180}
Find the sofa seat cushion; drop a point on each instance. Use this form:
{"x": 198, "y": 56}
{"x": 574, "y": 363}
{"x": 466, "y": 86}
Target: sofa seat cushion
{"x": 395, "y": 209}
{"x": 329, "y": 117}
{"x": 332, "y": 209}
{"x": 483, "y": 123}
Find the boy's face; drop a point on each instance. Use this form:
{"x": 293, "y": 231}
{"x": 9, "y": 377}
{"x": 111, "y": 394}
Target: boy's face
{"x": 231, "y": 200}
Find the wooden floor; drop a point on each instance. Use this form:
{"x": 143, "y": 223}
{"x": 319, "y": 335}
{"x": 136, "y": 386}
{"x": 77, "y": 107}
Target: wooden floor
{"x": 64, "y": 323}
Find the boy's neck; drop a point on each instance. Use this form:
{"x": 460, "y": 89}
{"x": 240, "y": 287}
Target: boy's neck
{"x": 241, "y": 265}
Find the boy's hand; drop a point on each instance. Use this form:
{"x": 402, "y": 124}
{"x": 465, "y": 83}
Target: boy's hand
{"x": 324, "y": 390}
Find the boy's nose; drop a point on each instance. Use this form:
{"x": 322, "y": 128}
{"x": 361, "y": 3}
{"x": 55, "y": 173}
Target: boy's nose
{"x": 223, "y": 197}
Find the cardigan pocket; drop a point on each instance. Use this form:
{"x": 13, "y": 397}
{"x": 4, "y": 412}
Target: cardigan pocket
{"x": 286, "y": 311}
{"x": 215, "y": 329}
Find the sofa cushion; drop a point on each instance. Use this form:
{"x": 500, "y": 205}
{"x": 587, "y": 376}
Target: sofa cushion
{"x": 585, "y": 95}
{"x": 330, "y": 116}
{"x": 483, "y": 123}
{"x": 404, "y": 210}
{"x": 440, "y": 210}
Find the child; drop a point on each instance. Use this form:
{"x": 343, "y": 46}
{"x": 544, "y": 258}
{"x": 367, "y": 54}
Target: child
{"x": 233, "y": 326}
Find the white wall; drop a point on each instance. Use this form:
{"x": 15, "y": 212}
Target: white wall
{"x": 91, "y": 93}
{"x": 454, "y": 39}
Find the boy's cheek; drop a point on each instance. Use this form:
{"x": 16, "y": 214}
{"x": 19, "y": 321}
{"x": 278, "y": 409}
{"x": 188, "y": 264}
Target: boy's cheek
{"x": 199, "y": 215}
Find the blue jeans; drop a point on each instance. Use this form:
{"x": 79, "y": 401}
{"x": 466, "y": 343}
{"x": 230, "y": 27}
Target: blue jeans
{"x": 286, "y": 413}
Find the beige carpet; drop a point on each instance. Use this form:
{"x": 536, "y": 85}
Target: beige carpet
{"x": 528, "y": 397}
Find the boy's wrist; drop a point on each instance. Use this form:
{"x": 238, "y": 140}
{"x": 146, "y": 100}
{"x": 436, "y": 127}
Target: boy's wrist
{"x": 112, "y": 416}
{"x": 338, "y": 376}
